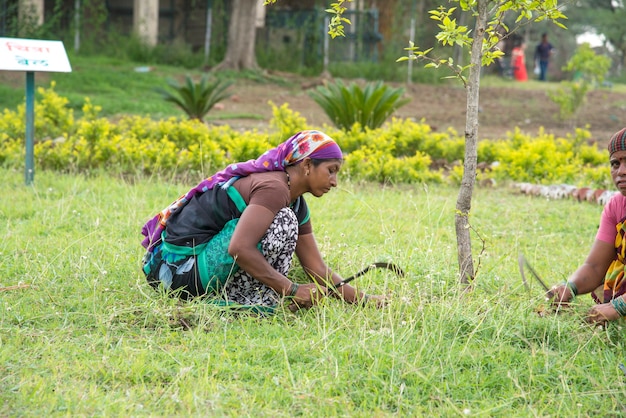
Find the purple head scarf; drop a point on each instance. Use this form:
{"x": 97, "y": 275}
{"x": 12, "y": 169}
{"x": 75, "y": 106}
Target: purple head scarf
{"x": 313, "y": 144}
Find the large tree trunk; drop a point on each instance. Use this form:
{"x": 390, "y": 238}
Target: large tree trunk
{"x": 385, "y": 20}
{"x": 240, "y": 53}
{"x": 464, "y": 199}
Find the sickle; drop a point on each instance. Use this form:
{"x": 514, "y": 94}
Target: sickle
{"x": 389, "y": 266}
{"x": 523, "y": 262}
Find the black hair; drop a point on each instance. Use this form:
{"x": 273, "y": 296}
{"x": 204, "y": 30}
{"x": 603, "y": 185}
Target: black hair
{"x": 318, "y": 161}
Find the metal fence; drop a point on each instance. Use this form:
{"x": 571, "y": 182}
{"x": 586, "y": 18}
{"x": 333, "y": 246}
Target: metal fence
{"x": 302, "y": 34}
{"x": 305, "y": 33}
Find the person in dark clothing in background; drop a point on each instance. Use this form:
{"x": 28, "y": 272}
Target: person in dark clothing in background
{"x": 543, "y": 51}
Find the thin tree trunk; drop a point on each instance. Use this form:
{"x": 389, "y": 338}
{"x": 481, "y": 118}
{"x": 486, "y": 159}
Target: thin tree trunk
{"x": 240, "y": 52}
{"x": 464, "y": 199}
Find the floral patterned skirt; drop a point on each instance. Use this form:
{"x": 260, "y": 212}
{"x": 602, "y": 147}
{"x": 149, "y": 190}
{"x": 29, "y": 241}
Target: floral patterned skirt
{"x": 180, "y": 275}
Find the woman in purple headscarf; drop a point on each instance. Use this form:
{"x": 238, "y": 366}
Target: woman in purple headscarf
{"x": 233, "y": 236}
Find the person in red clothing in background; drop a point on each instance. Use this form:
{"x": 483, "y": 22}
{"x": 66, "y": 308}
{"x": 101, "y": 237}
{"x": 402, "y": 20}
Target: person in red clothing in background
{"x": 518, "y": 61}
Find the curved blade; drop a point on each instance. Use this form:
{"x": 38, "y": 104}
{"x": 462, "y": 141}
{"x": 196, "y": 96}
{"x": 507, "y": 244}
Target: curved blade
{"x": 524, "y": 263}
{"x": 520, "y": 261}
{"x": 389, "y": 266}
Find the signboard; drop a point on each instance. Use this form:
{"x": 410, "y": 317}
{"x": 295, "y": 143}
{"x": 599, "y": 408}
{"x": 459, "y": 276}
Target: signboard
{"x": 30, "y": 56}
{"x": 18, "y": 54}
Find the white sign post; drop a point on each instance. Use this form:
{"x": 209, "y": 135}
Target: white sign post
{"x": 31, "y": 55}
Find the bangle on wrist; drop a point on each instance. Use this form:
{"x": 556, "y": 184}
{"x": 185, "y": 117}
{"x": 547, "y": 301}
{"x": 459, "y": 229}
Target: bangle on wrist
{"x": 620, "y": 305}
{"x": 572, "y": 288}
{"x": 293, "y": 289}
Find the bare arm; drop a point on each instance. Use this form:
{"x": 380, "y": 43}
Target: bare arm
{"x": 311, "y": 260}
{"x": 253, "y": 224}
{"x": 590, "y": 274}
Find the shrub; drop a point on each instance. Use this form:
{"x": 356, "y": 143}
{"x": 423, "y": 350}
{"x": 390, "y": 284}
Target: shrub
{"x": 56, "y": 118}
{"x": 447, "y": 146}
{"x": 52, "y": 116}
{"x": 196, "y": 100}
{"x": 246, "y": 147}
{"x": 587, "y": 65}
{"x": 598, "y": 177}
{"x": 569, "y": 97}
{"x": 347, "y": 105}
{"x": 377, "y": 165}
{"x": 12, "y": 151}
{"x": 402, "y": 152}
{"x": 286, "y": 121}
{"x": 589, "y": 69}
{"x": 542, "y": 159}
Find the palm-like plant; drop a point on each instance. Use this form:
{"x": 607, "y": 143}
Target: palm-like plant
{"x": 196, "y": 99}
{"x": 347, "y": 104}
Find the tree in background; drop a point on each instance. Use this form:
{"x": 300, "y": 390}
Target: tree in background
{"x": 240, "y": 54}
{"x": 241, "y": 41}
{"x": 603, "y": 17}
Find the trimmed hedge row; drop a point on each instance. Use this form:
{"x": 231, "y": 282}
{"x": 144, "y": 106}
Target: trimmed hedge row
{"x": 402, "y": 151}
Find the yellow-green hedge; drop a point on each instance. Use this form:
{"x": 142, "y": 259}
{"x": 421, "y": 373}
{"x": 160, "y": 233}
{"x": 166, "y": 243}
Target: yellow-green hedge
{"x": 401, "y": 151}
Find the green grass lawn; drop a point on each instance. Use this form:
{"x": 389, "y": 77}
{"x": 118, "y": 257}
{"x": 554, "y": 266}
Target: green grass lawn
{"x": 119, "y": 87}
{"x": 82, "y": 334}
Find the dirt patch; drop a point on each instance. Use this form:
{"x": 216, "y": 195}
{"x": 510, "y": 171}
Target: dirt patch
{"x": 501, "y": 108}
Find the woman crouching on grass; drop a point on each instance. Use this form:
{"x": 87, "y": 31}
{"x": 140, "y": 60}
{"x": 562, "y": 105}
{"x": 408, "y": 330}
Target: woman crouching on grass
{"x": 603, "y": 272}
{"x": 233, "y": 236}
